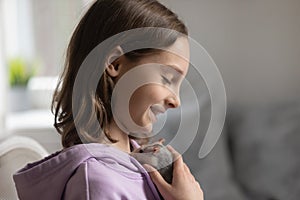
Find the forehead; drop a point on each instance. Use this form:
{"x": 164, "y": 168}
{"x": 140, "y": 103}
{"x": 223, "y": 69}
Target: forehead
{"x": 180, "y": 48}
{"x": 176, "y": 56}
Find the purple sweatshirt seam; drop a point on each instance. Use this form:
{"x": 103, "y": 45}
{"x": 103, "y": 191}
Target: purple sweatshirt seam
{"x": 124, "y": 174}
{"x": 148, "y": 179}
{"x": 72, "y": 158}
{"x": 87, "y": 182}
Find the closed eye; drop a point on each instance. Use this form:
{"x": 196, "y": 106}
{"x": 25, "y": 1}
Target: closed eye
{"x": 165, "y": 80}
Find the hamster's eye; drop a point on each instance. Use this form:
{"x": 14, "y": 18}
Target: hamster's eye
{"x": 141, "y": 151}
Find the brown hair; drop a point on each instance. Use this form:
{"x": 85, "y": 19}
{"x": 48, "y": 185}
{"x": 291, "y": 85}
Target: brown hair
{"x": 104, "y": 19}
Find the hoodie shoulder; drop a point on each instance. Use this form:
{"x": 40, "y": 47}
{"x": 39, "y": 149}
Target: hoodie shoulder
{"x": 84, "y": 172}
{"x": 77, "y": 187}
{"x": 91, "y": 180}
{"x": 49, "y": 176}
{"x": 95, "y": 179}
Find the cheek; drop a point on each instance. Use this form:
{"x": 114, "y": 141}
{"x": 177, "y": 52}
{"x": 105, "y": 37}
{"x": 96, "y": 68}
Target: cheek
{"x": 144, "y": 97}
{"x": 147, "y": 94}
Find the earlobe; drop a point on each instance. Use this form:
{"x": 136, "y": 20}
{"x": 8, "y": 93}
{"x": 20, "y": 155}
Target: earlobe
{"x": 113, "y": 62}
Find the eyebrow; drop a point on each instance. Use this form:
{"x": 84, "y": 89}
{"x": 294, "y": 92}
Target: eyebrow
{"x": 176, "y": 68}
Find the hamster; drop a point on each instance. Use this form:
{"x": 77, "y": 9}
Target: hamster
{"x": 158, "y": 156}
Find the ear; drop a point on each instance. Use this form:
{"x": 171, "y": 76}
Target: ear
{"x": 113, "y": 65}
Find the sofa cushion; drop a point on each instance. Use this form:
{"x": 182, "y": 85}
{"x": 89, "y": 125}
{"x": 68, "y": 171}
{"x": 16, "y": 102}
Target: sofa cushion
{"x": 214, "y": 172}
{"x": 265, "y": 146}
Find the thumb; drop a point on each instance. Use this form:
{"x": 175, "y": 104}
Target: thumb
{"x": 157, "y": 179}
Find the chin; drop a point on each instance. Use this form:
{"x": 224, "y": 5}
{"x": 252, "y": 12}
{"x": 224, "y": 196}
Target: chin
{"x": 143, "y": 128}
{"x": 142, "y": 132}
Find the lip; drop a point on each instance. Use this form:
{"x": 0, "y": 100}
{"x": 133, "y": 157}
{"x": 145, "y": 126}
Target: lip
{"x": 155, "y": 110}
{"x": 152, "y": 116}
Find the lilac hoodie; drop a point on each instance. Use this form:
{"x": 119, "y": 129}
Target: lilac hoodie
{"x": 85, "y": 172}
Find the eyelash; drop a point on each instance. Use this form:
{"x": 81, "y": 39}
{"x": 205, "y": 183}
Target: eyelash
{"x": 166, "y": 80}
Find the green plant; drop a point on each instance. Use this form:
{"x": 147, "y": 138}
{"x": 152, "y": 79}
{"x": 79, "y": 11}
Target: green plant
{"x": 20, "y": 72}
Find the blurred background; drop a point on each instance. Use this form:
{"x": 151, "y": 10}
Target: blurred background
{"x": 33, "y": 38}
{"x": 255, "y": 45}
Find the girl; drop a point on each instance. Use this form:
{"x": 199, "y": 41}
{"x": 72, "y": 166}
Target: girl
{"x": 96, "y": 129}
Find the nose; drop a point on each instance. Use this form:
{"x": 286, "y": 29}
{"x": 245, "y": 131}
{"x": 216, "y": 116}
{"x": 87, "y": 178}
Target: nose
{"x": 172, "y": 101}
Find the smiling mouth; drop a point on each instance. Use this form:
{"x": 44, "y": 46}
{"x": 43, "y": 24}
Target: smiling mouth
{"x": 156, "y": 110}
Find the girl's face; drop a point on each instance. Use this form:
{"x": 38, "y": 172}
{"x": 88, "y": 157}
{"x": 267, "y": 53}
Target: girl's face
{"x": 164, "y": 72}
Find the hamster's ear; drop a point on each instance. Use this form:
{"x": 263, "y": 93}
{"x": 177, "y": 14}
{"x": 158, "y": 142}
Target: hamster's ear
{"x": 113, "y": 63}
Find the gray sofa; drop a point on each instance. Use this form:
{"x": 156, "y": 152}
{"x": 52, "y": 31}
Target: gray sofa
{"x": 257, "y": 156}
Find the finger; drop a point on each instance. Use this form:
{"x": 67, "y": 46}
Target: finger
{"x": 149, "y": 168}
{"x": 157, "y": 179}
{"x": 188, "y": 173}
{"x": 179, "y": 167}
{"x": 161, "y": 140}
{"x": 177, "y": 160}
{"x": 186, "y": 168}
{"x": 198, "y": 185}
{"x": 175, "y": 154}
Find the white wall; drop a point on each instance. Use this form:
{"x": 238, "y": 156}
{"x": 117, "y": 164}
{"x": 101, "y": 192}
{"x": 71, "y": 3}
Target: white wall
{"x": 17, "y": 28}
{"x": 255, "y": 44}
{"x": 53, "y": 23}
{"x": 3, "y": 82}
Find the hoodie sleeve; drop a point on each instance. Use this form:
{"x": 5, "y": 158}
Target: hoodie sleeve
{"x": 107, "y": 179}
{"x": 89, "y": 183}
{"x": 77, "y": 186}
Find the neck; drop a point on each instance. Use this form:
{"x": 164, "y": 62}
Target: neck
{"x": 123, "y": 142}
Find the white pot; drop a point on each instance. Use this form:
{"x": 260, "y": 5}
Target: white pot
{"x": 18, "y": 99}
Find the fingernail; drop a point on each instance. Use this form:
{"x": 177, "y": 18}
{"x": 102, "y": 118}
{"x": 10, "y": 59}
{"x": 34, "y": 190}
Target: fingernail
{"x": 148, "y": 168}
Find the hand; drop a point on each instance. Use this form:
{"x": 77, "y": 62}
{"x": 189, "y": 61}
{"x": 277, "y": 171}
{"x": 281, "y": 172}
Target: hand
{"x": 183, "y": 187}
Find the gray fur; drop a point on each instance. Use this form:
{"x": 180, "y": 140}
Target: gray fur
{"x": 158, "y": 156}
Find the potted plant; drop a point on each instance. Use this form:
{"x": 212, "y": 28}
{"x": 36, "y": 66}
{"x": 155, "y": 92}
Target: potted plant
{"x": 20, "y": 71}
